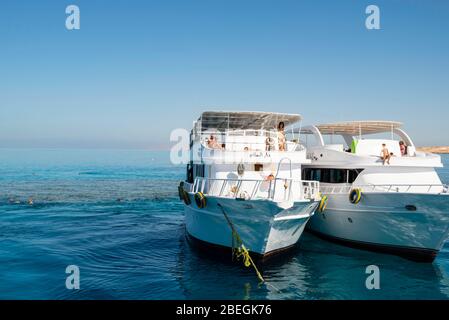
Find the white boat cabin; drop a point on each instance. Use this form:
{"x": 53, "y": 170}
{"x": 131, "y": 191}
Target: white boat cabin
{"x": 349, "y": 154}
{"x": 248, "y": 148}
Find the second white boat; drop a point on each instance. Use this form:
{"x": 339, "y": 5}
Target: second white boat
{"x": 396, "y": 205}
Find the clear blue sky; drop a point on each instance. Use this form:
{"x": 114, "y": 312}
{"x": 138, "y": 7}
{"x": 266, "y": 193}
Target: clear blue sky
{"x": 138, "y": 69}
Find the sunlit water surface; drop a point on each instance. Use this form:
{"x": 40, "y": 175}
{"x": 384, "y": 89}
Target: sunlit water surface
{"x": 116, "y": 215}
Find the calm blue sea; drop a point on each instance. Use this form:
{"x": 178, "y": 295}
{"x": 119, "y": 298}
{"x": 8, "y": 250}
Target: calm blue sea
{"x": 116, "y": 215}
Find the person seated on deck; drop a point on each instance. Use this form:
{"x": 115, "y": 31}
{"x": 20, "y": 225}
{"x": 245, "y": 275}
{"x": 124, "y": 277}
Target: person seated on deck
{"x": 403, "y": 148}
{"x": 281, "y": 136}
{"x": 385, "y": 154}
{"x": 213, "y": 143}
{"x": 269, "y": 144}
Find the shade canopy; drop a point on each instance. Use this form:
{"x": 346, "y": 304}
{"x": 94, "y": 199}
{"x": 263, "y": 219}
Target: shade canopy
{"x": 354, "y": 128}
{"x": 222, "y": 120}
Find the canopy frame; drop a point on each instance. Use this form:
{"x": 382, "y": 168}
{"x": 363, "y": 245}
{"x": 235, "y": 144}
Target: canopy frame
{"x": 246, "y": 120}
{"x": 349, "y": 130}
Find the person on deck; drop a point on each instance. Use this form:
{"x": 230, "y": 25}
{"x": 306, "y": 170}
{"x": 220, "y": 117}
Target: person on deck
{"x": 385, "y": 154}
{"x": 213, "y": 143}
{"x": 403, "y": 148}
{"x": 281, "y": 136}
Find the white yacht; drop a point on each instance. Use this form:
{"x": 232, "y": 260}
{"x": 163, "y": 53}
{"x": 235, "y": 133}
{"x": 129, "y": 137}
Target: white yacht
{"x": 395, "y": 204}
{"x": 244, "y": 182}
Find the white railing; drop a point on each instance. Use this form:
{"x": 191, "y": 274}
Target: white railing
{"x": 400, "y": 188}
{"x": 335, "y": 189}
{"x": 276, "y": 189}
{"x": 251, "y": 146}
{"x": 238, "y": 133}
{"x": 247, "y": 140}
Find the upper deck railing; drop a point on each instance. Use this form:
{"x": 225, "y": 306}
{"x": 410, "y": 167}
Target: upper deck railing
{"x": 237, "y": 132}
{"x": 278, "y": 189}
{"x": 247, "y": 140}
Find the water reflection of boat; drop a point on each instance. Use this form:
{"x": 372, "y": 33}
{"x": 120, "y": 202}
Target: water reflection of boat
{"x": 316, "y": 270}
{"x": 330, "y": 271}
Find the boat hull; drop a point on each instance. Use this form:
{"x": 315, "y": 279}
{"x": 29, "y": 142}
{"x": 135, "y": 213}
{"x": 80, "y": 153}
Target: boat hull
{"x": 265, "y": 227}
{"x": 413, "y": 226}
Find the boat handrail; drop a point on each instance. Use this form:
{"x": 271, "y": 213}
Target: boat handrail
{"x": 247, "y": 189}
{"x": 240, "y": 132}
{"x": 250, "y": 145}
{"x": 238, "y": 139}
{"x": 398, "y": 188}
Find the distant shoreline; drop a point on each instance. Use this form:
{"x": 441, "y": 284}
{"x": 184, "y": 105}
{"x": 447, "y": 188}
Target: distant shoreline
{"x": 444, "y": 150}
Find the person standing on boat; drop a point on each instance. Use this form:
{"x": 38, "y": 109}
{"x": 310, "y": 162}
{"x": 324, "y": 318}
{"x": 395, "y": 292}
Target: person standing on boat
{"x": 385, "y": 154}
{"x": 403, "y": 148}
{"x": 281, "y": 136}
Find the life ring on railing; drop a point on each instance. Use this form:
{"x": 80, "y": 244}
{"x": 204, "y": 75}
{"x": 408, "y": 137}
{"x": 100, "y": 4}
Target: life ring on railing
{"x": 200, "y": 200}
{"x": 183, "y": 195}
{"x": 323, "y": 204}
{"x": 190, "y": 173}
{"x": 243, "y": 196}
{"x": 355, "y": 195}
{"x": 180, "y": 190}
{"x": 240, "y": 169}
{"x": 186, "y": 198}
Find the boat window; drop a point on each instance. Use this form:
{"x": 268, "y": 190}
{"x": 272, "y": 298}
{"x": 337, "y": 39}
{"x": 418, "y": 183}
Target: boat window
{"x": 353, "y": 174}
{"x": 338, "y": 175}
{"x": 326, "y": 175}
{"x": 198, "y": 169}
{"x": 190, "y": 173}
{"x": 258, "y": 167}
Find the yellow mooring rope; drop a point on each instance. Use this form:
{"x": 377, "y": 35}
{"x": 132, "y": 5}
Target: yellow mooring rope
{"x": 238, "y": 248}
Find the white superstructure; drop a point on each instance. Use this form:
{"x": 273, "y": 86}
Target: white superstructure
{"x": 244, "y": 169}
{"x": 400, "y": 207}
